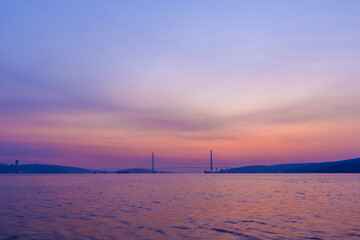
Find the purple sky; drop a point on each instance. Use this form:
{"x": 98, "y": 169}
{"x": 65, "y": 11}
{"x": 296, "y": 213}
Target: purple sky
{"x": 102, "y": 84}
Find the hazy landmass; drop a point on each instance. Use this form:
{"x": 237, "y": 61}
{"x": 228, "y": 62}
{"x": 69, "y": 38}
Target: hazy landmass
{"x": 344, "y": 166}
{"x": 40, "y": 168}
{"x": 44, "y": 168}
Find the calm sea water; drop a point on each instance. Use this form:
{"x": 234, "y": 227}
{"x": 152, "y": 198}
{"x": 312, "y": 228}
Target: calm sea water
{"x": 180, "y": 206}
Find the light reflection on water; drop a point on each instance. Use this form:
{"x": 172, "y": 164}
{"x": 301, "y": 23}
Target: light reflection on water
{"x": 180, "y": 206}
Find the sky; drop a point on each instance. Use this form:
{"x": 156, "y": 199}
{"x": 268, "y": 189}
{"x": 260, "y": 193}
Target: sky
{"x": 103, "y": 84}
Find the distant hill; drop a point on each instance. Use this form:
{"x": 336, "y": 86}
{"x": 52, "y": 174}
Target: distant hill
{"x": 43, "y": 168}
{"x": 40, "y": 168}
{"x": 344, "y": 166}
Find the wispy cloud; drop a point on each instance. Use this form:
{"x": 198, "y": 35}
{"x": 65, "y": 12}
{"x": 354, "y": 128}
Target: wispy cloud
{"x": 141, "y": 77}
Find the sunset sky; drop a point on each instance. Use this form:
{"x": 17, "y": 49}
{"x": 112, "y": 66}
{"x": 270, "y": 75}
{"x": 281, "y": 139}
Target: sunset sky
{"x": 102, "y": 84}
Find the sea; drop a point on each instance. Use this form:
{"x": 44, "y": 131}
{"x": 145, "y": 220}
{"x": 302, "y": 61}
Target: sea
{"x": 180, "y": 206}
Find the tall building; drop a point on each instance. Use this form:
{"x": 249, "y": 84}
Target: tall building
{"x": 16, "y": 162}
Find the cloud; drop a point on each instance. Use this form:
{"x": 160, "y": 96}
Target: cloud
{"x": 30, "y": 99}
{"x": 309, "y": 110}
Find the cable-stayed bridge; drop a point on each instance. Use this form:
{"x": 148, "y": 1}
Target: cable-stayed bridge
{"x": 211, "y": 167}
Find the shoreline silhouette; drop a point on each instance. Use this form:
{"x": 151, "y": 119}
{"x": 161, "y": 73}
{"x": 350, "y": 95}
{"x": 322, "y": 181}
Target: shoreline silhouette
{"x": 342, "y": 166}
